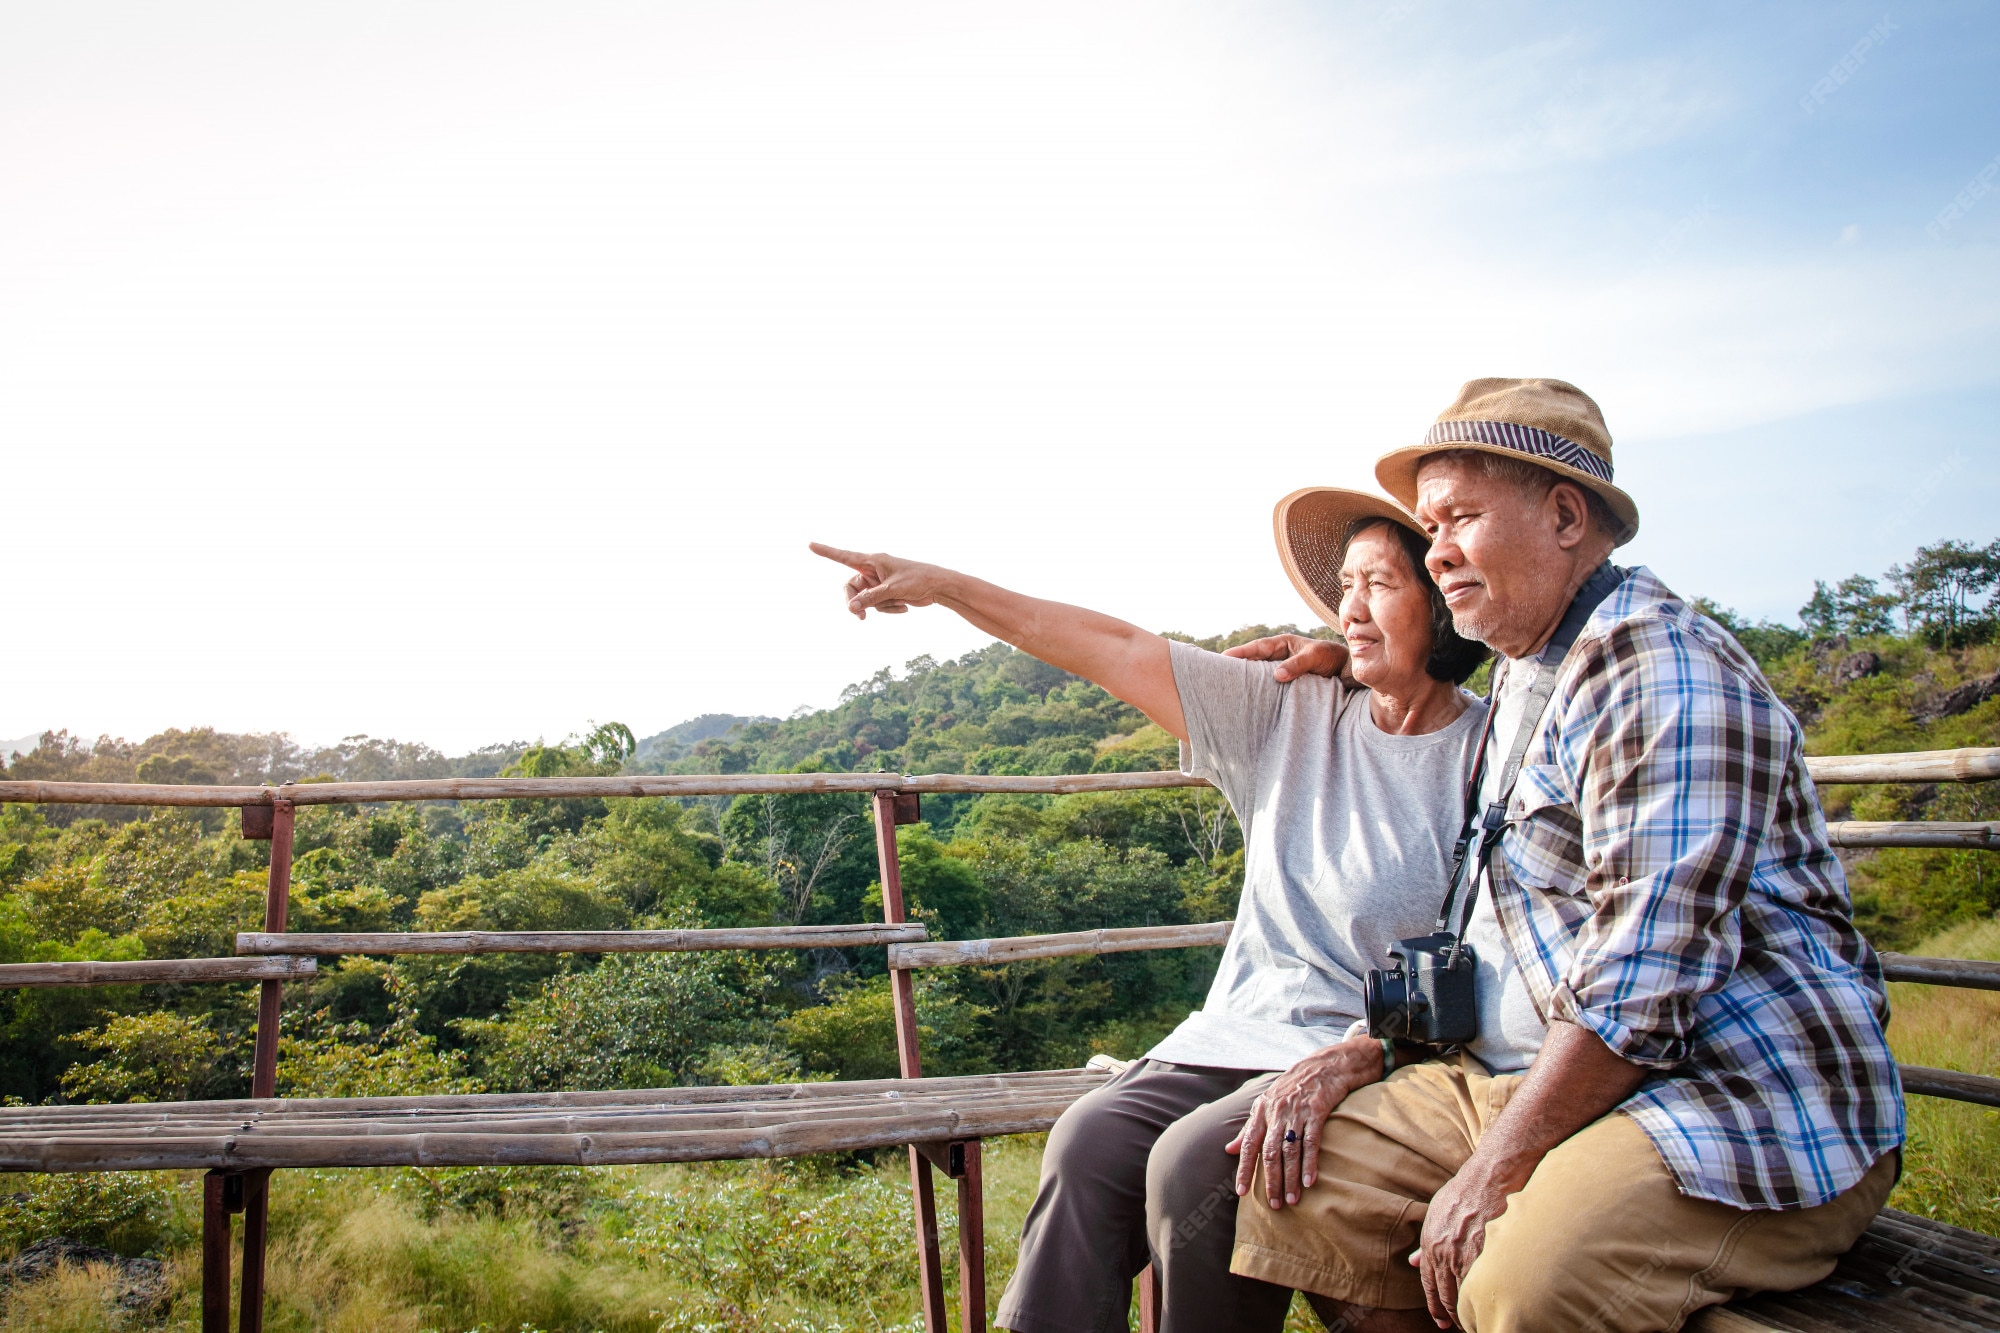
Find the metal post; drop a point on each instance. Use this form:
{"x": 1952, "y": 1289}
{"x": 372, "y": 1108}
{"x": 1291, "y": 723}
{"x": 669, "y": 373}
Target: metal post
{"x": 264, "y": 1067}
{"x": 221, "y": 1195}
{"x": 256, "y": 1216}
{"x": 930, "y": 1263}
{"x": 277, "y": 900}
{"x": 972, "y": 1241}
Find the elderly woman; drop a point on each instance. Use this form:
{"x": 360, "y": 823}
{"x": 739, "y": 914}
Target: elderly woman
{"x": 1349, "y": 799}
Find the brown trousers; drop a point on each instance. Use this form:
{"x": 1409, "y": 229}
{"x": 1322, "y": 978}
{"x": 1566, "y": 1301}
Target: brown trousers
{"x": 1135, "y": 1173}
{"x": 1600, "y": 1240}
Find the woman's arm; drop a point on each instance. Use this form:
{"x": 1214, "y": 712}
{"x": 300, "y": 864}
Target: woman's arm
{"x": 1122, "y": 658}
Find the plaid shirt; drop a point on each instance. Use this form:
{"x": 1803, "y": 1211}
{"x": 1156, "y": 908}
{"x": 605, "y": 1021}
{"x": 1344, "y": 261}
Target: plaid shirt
{"x": 1665, "y": 880}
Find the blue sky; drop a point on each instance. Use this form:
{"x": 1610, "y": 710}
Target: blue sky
{"x": 467, "y": 371}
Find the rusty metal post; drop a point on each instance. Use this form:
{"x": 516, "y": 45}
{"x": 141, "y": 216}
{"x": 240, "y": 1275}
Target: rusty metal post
{"x": 221, "y": 1195}
{"x": 277, "y": 901}
{"x": 930, "y": 1262}
{"x": 1149, "y": 1299}
{"x": 264, "y": 1062}
{"x": 256, "y": 1217}
{"x": 971, "y": 1241}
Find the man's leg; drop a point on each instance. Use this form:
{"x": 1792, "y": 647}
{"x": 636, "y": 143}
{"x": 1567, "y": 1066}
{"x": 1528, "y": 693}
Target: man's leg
{"x": 1602, "y": 1241}
{"x": 1191, "y": 1221}
{"x": 1085, "y": 1237}
{"x": 1383, "y": 1153}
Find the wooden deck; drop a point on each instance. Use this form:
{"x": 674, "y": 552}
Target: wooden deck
{"x": 1907, "y": 1273}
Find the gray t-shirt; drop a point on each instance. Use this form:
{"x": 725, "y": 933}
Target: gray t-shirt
{"x": 1511, "y": 1031}
{"x": 1347, "y": 834}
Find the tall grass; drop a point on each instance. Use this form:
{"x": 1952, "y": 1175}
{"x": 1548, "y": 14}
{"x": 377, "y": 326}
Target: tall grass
{"x": 1951, "y": 1170}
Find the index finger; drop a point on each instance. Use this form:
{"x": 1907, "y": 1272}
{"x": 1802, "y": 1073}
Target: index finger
{"x": 852, "y": 559}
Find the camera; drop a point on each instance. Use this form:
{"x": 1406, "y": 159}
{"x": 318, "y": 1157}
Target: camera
{"x": 1427, "y": 996}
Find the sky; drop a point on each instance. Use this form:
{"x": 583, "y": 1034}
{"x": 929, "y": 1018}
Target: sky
{"x": 471, "y": 372}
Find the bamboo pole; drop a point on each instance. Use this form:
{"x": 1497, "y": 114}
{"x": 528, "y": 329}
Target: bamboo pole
{"x": 1949, "y": 1083}
{"x": 1970, "y": 765}
{"x": 420, "y": 1147}
{"x": 575, "y": 941}
{"x": 1967, "y": 765}
{"x": 165, "y": 971}
{"x": 1914, "y": 833}
{"x": 1941, "y": 971}
{"x": 979, "y": 953}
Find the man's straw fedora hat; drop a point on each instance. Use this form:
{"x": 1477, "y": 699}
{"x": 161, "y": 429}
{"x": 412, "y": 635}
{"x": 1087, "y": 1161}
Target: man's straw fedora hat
{"x": 1547, "y": 422}
{"x": 1313, "y": 527}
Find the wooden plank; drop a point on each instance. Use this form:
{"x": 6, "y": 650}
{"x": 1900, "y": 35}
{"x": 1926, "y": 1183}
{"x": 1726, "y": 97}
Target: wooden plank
{"x": 576, "y": 941}
{"x": 1941, "y": 971}
{"x": 152, "y": 970}
{"x": 1926, "y": 1082}
{"x": 979, "y": 953}
{"x": 1914, "y": 833}
{"x": 1970, "y": 765}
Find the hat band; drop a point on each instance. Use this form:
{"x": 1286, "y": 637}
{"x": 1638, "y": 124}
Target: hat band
{"x": 1528, "y": 440}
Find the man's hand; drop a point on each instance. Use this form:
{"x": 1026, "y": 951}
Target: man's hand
{"x": 884, "y": 582}
{"x": 1575, "y": 1079}
{"x": 1454, "y": 1234}
{"x": 1298, "y": 1104}
{"x": 1295, "y": 654}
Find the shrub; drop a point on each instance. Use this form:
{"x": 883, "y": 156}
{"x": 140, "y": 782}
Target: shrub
{"x": 156, "y": 1057}
{"x": 126, "y": 1211}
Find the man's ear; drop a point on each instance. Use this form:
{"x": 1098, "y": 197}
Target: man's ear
{"x": 1571, "y": 514}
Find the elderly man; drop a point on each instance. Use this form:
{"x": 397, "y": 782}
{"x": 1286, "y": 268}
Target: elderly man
{"x": 1679, "y": 1090}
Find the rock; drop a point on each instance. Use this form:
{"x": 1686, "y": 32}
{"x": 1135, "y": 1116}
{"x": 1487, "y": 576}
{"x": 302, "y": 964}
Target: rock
{"x": 142, "y": 1283}
{"x": 1961, "y": 700}
{"x": 1857, "y": 666}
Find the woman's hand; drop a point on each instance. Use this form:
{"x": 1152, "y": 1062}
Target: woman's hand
{"x": 1295, "y": 654}
{"x": 884, "y": 582}
{"x": 1285, "y": 1123}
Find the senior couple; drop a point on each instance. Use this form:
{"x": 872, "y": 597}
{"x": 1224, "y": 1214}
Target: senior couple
{"x": 1679, "y": 1088}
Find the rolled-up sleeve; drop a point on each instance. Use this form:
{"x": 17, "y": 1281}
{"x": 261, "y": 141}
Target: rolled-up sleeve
{"x": 1674, "y": 762}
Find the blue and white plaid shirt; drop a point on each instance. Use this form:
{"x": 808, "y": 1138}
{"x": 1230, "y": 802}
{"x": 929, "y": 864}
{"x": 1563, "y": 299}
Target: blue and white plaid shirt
{"x": 1665, "y": 880}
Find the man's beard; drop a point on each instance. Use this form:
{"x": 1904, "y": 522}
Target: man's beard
{"x": 1475, "y": 623}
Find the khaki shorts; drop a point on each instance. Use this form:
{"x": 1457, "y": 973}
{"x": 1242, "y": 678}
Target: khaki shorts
{"x": 1600, "y": 1239}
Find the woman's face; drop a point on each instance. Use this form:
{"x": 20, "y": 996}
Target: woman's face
{"x": 1385, "y": 612}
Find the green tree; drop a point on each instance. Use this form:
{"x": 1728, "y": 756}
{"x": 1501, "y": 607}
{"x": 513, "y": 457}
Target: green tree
{"x": 1855, "y": 606}
{"x": 1939, "y": 586}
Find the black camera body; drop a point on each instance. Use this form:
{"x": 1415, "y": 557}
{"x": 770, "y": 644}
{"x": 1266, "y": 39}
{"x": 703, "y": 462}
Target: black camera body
{"x": 1427, "y": 996}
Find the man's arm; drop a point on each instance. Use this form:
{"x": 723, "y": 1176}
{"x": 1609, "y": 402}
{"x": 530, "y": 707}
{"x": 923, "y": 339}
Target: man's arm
{"x": 1122, "y": 658}
{"x": 1296, "y": 656}
{"x": 1575, "y": 1080}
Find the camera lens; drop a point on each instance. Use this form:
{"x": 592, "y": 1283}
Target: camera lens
{"x": 1387, "y": 996}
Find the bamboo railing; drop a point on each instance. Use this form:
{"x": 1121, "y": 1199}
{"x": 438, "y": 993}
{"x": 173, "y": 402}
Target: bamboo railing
{"x": 273, "y": 955}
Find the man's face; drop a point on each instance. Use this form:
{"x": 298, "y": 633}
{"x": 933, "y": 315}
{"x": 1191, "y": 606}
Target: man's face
{"x": 1494, "y": 553}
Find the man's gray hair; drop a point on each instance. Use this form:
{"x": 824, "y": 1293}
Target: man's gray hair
{"x": 1532, "y": 478}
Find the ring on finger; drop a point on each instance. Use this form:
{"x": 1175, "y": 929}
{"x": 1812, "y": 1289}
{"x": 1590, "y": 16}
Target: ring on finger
{"x": 1291, "y": 1136}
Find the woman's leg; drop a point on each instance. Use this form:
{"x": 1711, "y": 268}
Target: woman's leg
{"x": 1085, "y": 1237}
{"x": 1191, "y": 1220}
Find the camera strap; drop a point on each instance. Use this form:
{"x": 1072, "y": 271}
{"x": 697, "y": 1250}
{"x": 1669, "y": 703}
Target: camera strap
{"x": 1486, "y": 826}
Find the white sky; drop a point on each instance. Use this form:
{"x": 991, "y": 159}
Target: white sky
{"x": 464, "y": 372}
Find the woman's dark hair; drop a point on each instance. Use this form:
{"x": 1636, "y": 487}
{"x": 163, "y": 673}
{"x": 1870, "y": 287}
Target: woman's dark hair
{"x": 1452, "y": 658}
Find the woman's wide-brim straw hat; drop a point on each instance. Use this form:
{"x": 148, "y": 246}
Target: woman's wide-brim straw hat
{"x": 1546, "y": 422}
{"x": 1313, "y": 527}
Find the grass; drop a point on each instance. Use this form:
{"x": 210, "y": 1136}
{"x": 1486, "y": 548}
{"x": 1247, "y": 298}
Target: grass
{"x": 1951, "y": 1170}
{"x": 789, "y": 1247}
